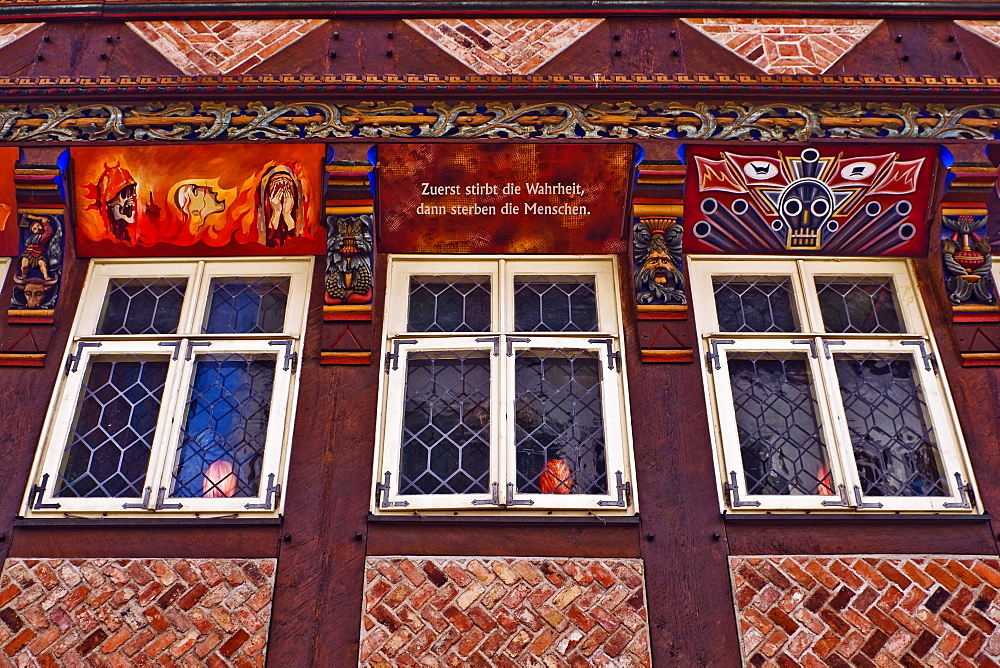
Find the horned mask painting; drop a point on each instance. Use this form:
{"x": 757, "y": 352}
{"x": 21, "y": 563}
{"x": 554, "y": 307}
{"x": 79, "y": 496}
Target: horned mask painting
{"x": 198, "y": 200}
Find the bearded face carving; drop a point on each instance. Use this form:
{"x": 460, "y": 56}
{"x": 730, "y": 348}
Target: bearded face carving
{"x": 656, "y": 255}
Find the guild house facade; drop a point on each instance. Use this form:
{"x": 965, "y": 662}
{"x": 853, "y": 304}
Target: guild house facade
{"x": 499, "y": 334}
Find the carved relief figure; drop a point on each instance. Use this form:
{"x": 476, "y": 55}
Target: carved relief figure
{"x": 349, "y": 259}
{"x": 657, "y": 256}
{"x": 40, "y": 260}
{"x": 967, "y": 259}
{"x": 279, "y": 206}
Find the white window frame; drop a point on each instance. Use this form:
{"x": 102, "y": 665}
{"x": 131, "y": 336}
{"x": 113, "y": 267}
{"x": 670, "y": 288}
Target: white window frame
{"x": 812, "y": 341}
{"x": 40, "y": 499}
{"x": 614, "y": 392}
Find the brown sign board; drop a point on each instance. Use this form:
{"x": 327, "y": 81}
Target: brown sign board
{"x": 544, "y": 197}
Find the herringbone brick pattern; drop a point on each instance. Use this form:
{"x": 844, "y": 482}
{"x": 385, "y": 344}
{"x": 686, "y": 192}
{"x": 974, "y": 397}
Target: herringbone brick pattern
{"x": 504, "y": 611}
{"x": 221, "y": 47}
{"x": 124, "y": 613}
{"x": 503, "y": 46}
{"x": 787, "y": 46}
{"x": 867, "y": 611}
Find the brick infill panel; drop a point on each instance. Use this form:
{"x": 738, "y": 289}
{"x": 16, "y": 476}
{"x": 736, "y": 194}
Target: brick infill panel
{"x": 867, "y": 611}
{"x": 504, "y": 611}
{"x": 131, "y": 612}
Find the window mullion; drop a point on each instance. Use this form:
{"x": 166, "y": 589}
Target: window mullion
{"x": 839, "y": 448}
{"x": 171, "y": 419}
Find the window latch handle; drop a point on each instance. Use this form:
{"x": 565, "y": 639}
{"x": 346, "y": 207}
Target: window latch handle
{"x": 861, "y": 504}
{"x": 160, "y": 505}
{"x": 144, "y": 504}
{"x": 826, "y": 347}
{"x": 624, "y": 493}
{"x": 511, "y": 501}
{"x": 290, "y": 358}
{"x": 511, "y": 340}
{"x": 272, "y": 493}
{"x": 73, "y": 361}
{"x": 394, "y": 355}
{"x": 496, "y": 343}
{"x": 965, "y": 490}
{"x": 733, "y": 488}
{"x": 929, "y": 359}
{"x": 713, "y": 356}
{"x": 810, "y": 343}
{"x": 176, "y": 346}
{"x": 492, "y": 501}
{"x": 843, "y": 502}
{"x": 37, "y": 492}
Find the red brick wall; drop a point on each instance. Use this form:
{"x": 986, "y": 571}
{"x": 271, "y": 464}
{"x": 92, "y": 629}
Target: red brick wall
{"x": 504, "y": 611}
{"x": 135, "y": 612}
{"x": 867, "y": 611}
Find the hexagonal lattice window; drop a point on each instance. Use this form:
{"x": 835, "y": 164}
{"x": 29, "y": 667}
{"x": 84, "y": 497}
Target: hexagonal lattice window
{"x": 142, "y": 306}
{"x": 222, "y": 442}
{"x": 446, "y": 423}
{"x": 559, "y": 422}
{"x": 894, "y": 446}
{"x": 112, "y": 433}
{"x": 776, "y": 418}
{"x": 449, "y": 304}
{"x": 754, "y": 304}
{"x": 246, "y": 305}
{"x": 859, "y": 304}
{"x": 555, "y": 304}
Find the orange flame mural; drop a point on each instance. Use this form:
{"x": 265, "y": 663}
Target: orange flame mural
{"x": 261, "y": 199}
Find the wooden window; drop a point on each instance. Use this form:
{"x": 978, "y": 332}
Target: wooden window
{"x": 503, "y": 386}
{"x": 825, "y": 388}
{"x": 178, "y": 389}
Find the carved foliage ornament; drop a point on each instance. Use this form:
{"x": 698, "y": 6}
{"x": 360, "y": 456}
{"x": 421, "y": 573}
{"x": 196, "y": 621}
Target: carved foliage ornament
{"x": 463, "y": 120}
{"x": 349, "y": 259}
{"x": 968, "y": 258}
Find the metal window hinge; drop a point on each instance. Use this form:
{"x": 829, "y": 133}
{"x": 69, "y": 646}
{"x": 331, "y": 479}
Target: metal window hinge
{"x": 624, "y": 493}
{"x": 734, "y": 491}
{"x": 160, "y": 505}
{"x": 614, "y": 359}
{"x": 493, "y": 501}
{"x": 191, "y": 347}
{"x": 271, "y": 494}
{"x": 37, "y": 492}
{"x": 826, "y": 347}
{"x": 382, "y": 495}
{"x": 291, "y": 359}
{"x": 496, "y": 343}
{"x": 967, "y": 493}
{"x": 511, "y": 501}
{"x": 930, "y": 362}
{"x": 810, "y": 342}
{"x": 861, "y": 503}
{"x": 843, "y": 498}
{"x": 713, "y": 356}
{"x": 73, "y": 361}
{"x": 511, "y": 340}
{"x": 176, "y": 346}
{"x": 144, "y": 504}
{"x": 394, "y": 355}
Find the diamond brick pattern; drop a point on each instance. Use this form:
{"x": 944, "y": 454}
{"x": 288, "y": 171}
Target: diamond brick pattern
{"x": 787, "y": 46}
{"x": 11, "y": 32}
{"x": 221, "y": 47}
{"x": 504, "y": 611}
{"x": 503, "y": 46}
{"x": 119, "y": 613}
{"x": 867, "y": 611}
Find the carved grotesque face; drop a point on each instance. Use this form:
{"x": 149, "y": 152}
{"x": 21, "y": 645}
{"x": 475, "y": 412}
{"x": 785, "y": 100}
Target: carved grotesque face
{"x": 121, "y": 207}
{"x": 660, "y": 266}
{"x": 35, "y": 292}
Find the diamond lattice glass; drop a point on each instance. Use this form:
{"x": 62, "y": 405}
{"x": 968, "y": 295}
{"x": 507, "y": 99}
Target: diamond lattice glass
{"x": 246, "y": 305}
{"x": 754, "y": 304}
{"x": 142, "y": 306}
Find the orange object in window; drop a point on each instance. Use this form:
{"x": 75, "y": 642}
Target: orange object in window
{"x": 556, "y": 478}
{"x": 220, "y": 481}
{"x": 824, "y": 488}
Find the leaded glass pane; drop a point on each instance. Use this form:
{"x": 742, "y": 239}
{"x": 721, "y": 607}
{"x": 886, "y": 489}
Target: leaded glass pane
{"x": 222, "y": 442}
{"x": 754, "y": 304}
{"x": 446, "y": 423}
{"x": 559, "y": 423}
{"x": 142, "y": 306}
{"x": 555, "y": 304}
{"x": 894, "y": 446}
{"x": 860, "y": 304}
{"x": 449, "y": 304}
{"x": 247, "y": 305}
{"x": 776, "y": 419}
{"x": 112, "y": 432}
